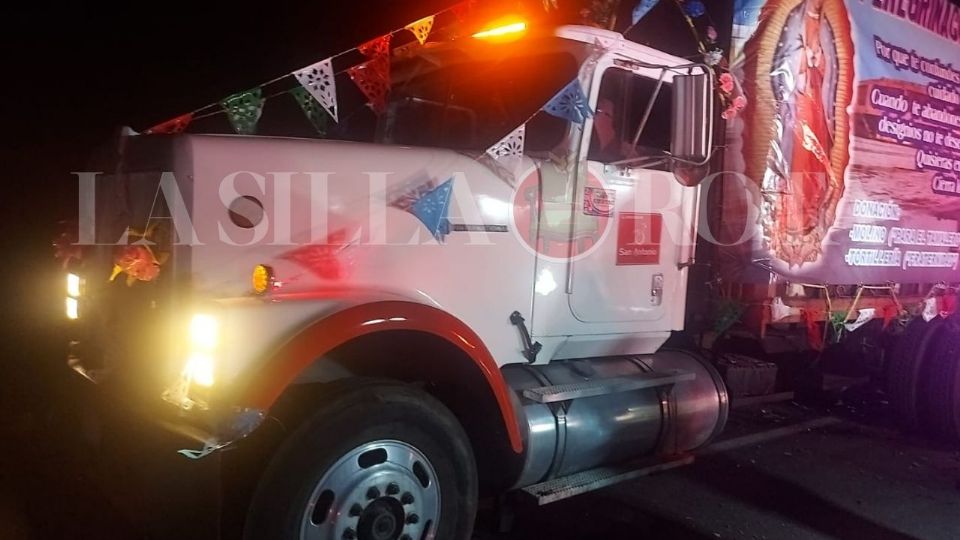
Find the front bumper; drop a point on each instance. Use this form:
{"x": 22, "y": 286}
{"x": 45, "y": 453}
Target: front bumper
{"x": 136, "y": 463}
{"x": 203, "y": 431}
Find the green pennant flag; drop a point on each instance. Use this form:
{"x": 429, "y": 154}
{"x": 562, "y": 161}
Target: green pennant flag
{"x": 243, "y": 109}
{"x": 311, "y": 109}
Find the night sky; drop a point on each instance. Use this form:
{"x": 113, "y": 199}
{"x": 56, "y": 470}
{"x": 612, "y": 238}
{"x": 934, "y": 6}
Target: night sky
{"x": 74, "y": 76}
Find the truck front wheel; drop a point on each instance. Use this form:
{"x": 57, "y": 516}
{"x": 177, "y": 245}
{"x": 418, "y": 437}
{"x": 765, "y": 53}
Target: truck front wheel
{"x": 378, "y": 461}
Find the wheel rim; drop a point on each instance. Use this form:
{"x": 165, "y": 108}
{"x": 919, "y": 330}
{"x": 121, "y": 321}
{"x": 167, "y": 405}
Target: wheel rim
{"x": 382, "y": 490}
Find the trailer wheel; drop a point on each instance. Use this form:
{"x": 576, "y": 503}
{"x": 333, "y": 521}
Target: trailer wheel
{"x": 378, "y": 461}
{"x": 942, "y": 411}
{"x": 908, "y": 365}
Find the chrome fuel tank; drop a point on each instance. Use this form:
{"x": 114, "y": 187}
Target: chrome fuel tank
{"x": 581, "y": 414}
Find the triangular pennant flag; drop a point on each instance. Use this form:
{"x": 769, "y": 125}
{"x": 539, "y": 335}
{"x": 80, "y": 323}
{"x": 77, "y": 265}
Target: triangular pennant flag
{"x": 570, "y": 104}
{"x": 311, "y": 109}
{"x": 510, "y": 146}
{"x": 174, "y": 125}
{"x": 431, "y": 209}
{"x": 930, "y": 311}
{"x": 421, "y": 29}
{"x": 694, "y": 8}
{"x": 863, "y": 317}
{"x": 318, "y": 79}
{"x": 376, "y": 47}
{"x": 462, "y": 10}
{"x": 243, "y": 109}
{"x": 373, "y": 79}
{"x": 641, "y": 9}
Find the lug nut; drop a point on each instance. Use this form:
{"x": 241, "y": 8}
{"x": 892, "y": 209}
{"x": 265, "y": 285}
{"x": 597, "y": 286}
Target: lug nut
{"x": 356, "y": 510}
{"x": 412, "y": 519}
{"x": 349, "y": 534}
{"x": 393, "y": 488}
{"x": 406, "y": 498}
{"x": 373, "y": 493}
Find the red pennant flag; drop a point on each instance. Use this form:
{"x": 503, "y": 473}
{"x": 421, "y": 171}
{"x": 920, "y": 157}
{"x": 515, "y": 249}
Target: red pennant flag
{"x": 324, "y": 260}
{"x": 890, "y": 312}
{"x": 376, "y": 47}
{"x": 947, "y": 303}
{"x": 462, "y": 10}
{"x": 175, "y": 125}
{"x": 814, "y": 335}
{"x": 373, "y": 79}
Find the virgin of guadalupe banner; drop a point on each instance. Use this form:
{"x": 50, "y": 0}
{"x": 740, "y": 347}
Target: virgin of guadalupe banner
{"x": 845, "y": 163}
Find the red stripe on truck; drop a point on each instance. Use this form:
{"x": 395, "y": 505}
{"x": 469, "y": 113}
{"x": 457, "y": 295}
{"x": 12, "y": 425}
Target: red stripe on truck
{"x": 325, "y": 335}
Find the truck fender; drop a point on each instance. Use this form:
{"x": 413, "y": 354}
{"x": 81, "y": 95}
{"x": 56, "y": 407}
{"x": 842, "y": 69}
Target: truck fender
{"x": 262, "y": 388}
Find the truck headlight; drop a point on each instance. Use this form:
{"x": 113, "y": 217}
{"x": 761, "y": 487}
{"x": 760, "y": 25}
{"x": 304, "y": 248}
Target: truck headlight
{"x": 73, "y": 297}
{"x": 204, "y": 332}
{"x": 204, "y": 339}
{"x": 73, "y": 285}
{"x": 73, "y": 309}
{"x": 199, "y": 369}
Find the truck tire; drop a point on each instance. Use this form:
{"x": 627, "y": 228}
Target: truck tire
{"x": 942, "y": 411}
{"x": 379, "y": 460}
{"x": 908, "y": 365}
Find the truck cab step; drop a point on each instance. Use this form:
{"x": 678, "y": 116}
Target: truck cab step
{"x": 612, "y": 385}
{"x": 601, "y": 477}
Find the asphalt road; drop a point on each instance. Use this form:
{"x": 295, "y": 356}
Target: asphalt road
{"x": 857, "y": 479}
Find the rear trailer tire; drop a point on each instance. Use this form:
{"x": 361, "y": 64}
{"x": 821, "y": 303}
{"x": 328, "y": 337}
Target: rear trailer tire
{"x": 942, "y": 411}
{"x": 377, "y": 461}
{"x": 906, "y": 377}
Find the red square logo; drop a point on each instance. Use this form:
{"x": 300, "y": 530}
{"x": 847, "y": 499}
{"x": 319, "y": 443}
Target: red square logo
{"x": 638, "y": 238}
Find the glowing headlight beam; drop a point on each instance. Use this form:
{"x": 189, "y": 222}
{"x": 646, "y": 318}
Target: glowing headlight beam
{"x": 73, "y": 285}
{"x": 73, "y": 309}
{"x": 199, "y": 369}
{"x": 204, "y": 332}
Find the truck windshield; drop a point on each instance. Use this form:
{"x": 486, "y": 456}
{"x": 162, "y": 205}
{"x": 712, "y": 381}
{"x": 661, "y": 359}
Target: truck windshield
{"x": 469, "y": 100}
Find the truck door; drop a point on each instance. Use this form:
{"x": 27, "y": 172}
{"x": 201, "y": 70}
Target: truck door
{"x": 632, "y": 273}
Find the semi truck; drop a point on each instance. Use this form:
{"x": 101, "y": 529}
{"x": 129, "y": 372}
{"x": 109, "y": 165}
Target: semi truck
{"x": 392, "y": 328}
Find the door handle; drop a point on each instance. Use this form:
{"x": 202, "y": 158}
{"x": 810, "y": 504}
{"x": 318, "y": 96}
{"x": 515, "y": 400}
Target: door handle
{"x": 656, "y": 289}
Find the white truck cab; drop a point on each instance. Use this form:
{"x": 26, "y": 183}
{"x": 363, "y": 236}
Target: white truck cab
{"x": 457, "y": 320}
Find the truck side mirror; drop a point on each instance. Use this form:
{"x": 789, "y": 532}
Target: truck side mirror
{"x": 691, "y": 139}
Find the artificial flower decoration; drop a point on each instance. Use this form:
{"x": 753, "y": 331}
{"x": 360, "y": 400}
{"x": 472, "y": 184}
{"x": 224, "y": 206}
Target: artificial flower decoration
{"x": 711, "y": 34}
{"x": 139, "y": 261}
{"x": 726, "y": 83}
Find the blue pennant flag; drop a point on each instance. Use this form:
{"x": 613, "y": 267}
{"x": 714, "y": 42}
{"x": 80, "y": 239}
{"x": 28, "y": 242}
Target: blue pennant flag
{"x": 570, "y": 104}
{"x": 641, "y": 9}
{"x": 694, "y": 8}
{"x": 431, "y": 209}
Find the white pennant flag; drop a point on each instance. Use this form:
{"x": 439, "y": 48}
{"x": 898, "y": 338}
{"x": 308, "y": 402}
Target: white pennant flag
{"x": 866, "y": 315}
{"x": 508, "y": 151}
{"x": 510, "y": 146}
{"x": 930, "y": 311}
{"x": 318, "y": 80}
{"x": 779, "y": 310}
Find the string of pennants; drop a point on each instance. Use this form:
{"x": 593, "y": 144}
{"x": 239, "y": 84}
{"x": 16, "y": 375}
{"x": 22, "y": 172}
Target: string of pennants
{"x": 317, "y": 94}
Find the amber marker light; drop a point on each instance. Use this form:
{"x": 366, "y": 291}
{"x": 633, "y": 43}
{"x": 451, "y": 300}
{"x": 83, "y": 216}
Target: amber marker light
{"x": 503, "y": 31}
{"x": 262, "y": 279}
